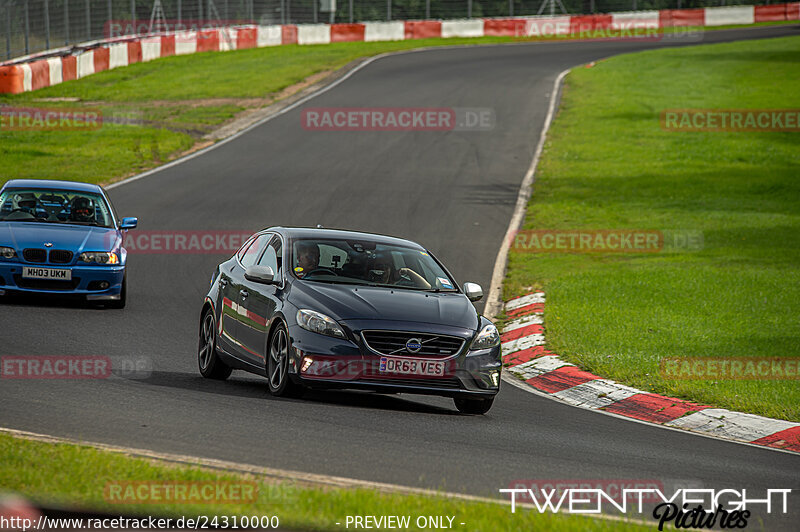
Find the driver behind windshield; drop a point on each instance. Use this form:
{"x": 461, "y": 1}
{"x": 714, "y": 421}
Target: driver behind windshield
{"x": 307, "y": 258}
{"x": 82, "y": 210}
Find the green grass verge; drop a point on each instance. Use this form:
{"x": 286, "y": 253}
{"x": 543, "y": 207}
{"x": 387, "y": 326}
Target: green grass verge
{"x": 76, "y": 475}
{"x": 176, "y": 101}
{"x": 608, "y": 164}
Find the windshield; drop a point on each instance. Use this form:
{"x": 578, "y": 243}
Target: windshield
{"x": 368, "y": 263}
{"x": 54, "y": 206}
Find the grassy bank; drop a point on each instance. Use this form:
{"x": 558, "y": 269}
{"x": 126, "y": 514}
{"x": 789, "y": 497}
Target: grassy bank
{"x": 608, "y": 164}
{"x": 74, "y": 475}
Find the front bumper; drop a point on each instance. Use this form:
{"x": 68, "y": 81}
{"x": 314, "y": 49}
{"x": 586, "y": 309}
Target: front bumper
{"x": 94, "y": 282}
{"x": 318, "y": 361}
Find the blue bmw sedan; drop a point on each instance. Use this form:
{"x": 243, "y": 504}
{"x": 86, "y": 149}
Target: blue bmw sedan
{"x": 62, "y": 237}
{"x": 323, "y": 308}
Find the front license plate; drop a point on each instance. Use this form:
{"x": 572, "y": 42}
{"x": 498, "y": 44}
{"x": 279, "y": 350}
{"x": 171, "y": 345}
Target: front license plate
{"x": 32, "y": 272}
{"x": 411, "y": 366}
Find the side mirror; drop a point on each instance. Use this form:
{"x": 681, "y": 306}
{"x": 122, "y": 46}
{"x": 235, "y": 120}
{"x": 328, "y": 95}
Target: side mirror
{"x": 260, "y": 274}
{"x": 474, "y": 291}
{"x": 129, "y": 223}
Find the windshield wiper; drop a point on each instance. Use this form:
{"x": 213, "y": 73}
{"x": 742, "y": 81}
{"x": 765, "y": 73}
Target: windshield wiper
{"x": 337, "y": 282}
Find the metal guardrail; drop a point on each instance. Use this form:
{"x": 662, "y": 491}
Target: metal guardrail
{"x": 31, "y": 26}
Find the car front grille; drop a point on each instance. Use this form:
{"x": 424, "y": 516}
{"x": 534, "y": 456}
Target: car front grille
{"x": 46, "y": 284}
{"x": 34, "y": 255}
{"x": 60, "y": 256}
{"x": 394, "y": 343}
{"x": 427, "y": 382}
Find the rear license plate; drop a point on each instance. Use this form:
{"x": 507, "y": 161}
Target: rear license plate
{"x": 32, "y": 272}
{"x": 411, "y": 366}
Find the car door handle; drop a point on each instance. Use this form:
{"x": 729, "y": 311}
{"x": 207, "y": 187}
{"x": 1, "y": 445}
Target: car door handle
{"x": 244, "y": 293}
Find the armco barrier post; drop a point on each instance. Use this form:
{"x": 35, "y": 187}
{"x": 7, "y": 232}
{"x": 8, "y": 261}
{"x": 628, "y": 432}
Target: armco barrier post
{"x": 111, "y": 13}
{"x": 66, "y": 22}
{"x": 27, "y": 29}
{"x": 47, "y": 24}
{"x": 8, "y": 30}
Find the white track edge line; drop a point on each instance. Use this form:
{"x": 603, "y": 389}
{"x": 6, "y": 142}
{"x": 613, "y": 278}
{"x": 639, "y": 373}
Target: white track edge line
{"x": 283, "y": 474}
{"x": 494, "y": 300}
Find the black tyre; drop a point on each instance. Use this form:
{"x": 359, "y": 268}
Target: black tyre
{"x": 211, "y": 366}
{"x": 280, "y": 384}
{"x": 473, "y": 406}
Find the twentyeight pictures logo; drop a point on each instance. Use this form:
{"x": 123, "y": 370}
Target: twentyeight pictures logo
{"x": 682, "y": 508}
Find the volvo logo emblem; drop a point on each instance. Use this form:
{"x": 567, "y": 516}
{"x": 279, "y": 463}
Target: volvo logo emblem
{"x": 48, "y": 244}
{"x": 413, "y": 345}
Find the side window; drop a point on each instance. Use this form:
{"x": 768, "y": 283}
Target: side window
{"x": 251, "y": 255}
{"x": 272, "y": 257}
{"x": 243, "y": 249}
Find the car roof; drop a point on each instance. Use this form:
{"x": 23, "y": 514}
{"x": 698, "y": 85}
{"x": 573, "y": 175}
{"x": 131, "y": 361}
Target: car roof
{"x": 74, "y": 186}
{"x": 316, "y": 232}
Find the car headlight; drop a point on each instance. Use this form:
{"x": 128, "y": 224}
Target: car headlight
{"x": 99, "y": 257}
{"x": 7, "y": 253}
{"x": 486, "y": 339}
{"x": 318, "y": 322}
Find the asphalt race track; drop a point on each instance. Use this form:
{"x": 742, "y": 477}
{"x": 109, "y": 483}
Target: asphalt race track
{"x": 454, "y": 192}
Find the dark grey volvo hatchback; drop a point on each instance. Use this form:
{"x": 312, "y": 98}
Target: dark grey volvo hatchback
{"x": 323, "y": 308}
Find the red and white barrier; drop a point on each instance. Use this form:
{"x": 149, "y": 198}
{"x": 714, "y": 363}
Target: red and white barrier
{"x": 723, "y": 16}
{"x": 634, "y": 20}
{"x": 462, "y": 28}
{"x": 313, "y": 34}
{"x": 32, "y": 73}
{"x": 269, "y": 36}
{"x": 384, "y": 31}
